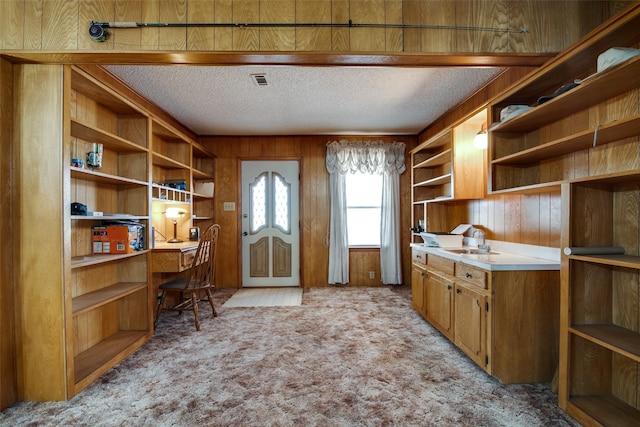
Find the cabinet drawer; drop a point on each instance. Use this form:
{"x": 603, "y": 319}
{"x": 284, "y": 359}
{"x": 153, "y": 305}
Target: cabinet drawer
{"x": 172, "y": 261}
{"x": 443, "y": 264}
{"x": 418, "y": 256}
{"x": 187, "y": 259}
{"x": 472, "y": 275}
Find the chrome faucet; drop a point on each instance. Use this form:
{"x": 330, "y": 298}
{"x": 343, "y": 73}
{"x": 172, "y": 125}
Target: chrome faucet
{"x": 480, "y": 235}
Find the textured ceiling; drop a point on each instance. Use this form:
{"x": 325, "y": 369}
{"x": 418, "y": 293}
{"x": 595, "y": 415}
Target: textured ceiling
{"x": 298, "y": 100}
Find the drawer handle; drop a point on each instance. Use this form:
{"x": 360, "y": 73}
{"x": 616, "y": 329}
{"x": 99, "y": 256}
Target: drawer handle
{"x": 468, "y": 275}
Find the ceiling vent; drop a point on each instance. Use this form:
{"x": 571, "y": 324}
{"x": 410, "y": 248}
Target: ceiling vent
{"x": 260, "y": 79}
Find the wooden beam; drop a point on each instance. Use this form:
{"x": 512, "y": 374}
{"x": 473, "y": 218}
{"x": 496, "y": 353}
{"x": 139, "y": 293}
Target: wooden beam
{"x": 279, "y": 58}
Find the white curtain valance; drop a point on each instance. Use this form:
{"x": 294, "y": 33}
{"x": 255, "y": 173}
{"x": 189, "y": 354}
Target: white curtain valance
{"x": 373, "y": 157}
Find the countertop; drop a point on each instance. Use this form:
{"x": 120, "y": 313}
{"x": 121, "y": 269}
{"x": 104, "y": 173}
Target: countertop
{"x": 182, "y": 246}
{"x": 499, "y": 261}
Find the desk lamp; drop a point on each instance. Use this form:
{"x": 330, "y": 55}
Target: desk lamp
{"x": 174, "y": 214}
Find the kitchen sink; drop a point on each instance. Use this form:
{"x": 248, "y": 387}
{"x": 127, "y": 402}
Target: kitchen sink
{"x": 472, "y": 251}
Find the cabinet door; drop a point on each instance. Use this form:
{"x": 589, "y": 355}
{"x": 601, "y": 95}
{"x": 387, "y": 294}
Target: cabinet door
{"x": 440, "y": 303}
{"x": 418, "y": 279}
{"x": 471, "y": 324}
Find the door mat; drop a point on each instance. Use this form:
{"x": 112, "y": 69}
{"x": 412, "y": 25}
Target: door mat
{"x": 265, "y": 297}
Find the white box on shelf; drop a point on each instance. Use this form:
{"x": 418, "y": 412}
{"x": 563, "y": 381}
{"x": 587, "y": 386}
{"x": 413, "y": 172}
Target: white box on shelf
{"x": 204, "y": 188}
{"x": 452, "y": 239}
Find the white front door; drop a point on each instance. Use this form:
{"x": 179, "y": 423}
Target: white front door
{"x": 270, "y": 223}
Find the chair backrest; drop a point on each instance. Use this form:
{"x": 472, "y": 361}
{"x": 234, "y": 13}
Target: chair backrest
{"x": 203, "y": 268}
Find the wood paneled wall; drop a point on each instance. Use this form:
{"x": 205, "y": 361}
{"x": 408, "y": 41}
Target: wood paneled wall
{"x": 7, "y": 322}
{"x": 62, "y": 25}
{"x": 314, "y": 203}
{"x": 532, "y": 219}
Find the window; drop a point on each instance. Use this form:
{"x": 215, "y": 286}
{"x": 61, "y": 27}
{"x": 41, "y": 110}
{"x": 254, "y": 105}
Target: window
{"x": 364, "y": 197}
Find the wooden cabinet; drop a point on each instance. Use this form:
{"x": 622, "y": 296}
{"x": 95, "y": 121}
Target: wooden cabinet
{"x": 110, "y": 299}
{"x": 585, "y": 142}
{"x": 601, "y": 331}
{"x": 505, "y": 321}
{"x": 183, "y": 177}
{"x": 447, "y": 167}
{"x": 471, "y": 309}
{"x": 440, "y": 302}
{"x": 418, "y": 288}
{"x": 171, "y": 174}
{"x": 81, "y": 312}
{"x": 419, "y": 281}
{"x": 590, "y": 130}
{"x": 203, "y": 169}
{"x": 471, "y": 302}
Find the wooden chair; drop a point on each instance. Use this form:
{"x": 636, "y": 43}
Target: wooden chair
{"x": 199, "y": 278}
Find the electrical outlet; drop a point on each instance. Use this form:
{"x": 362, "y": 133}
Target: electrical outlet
{"x": 229, "y": 206}
{"x": 372, "y": 275}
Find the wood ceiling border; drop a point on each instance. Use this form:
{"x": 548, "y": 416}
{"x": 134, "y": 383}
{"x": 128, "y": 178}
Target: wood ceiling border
{"x": 278, "y": 58}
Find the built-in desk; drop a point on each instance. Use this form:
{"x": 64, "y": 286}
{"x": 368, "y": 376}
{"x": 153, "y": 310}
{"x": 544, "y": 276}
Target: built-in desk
{"x": 172, "y": 257}
{"x": 168, "y": 260}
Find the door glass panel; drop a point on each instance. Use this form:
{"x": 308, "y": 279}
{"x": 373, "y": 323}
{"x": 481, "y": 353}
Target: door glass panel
{"x": 258, "y": 201}
{"x": 282, "y": 204}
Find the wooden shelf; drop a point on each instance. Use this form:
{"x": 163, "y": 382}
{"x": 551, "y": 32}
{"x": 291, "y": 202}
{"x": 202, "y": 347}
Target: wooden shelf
{"x": 161, "y": 130}
{"x": 439, "y": 180}
{"x": 606, "y": 85}
{"x": 202, "y": 163}
{"x": 201, "y": 196}
{"x": 626, "y": 177}
{"x": 439, "y": 199}
{"x": 172, "y": 194}
{"x": 615, "y": 338}
{"x": 92, "y": 134}
{"x": 547, "y": 187}
{"x": 437, "y": 160}
{"x": 607, "y": 133}
{"x": 627, "y": 261}
{"x": 435, "y": 199}
{"x": 88, "y": 260}
{"x": 88, "y": 86}
{"x": 87, "y": 302}
{"x": 102, "y": 353}
{"x": 440, "y": 140}
{"x": 167, "y": 162}
{"x": 606, "y": 409}
{"x": 90, "y": 175}
{"x": 108, "y": 217}
{"x": 197, "y": 174}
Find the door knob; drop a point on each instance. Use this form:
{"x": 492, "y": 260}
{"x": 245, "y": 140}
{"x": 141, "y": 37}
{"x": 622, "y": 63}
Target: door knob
{"x": 244, "y": 233}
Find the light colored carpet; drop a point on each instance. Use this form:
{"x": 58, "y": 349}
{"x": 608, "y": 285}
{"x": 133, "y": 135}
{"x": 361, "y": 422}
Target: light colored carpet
{"x": 265, "y": 297}
{"x": 346, "y": 357}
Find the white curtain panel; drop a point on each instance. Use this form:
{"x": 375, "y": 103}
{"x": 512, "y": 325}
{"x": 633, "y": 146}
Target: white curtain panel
{"x": 373, "y": 157}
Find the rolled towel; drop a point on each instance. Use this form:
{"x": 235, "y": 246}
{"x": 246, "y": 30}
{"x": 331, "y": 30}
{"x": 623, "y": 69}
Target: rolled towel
{"x": 594, "y": 250}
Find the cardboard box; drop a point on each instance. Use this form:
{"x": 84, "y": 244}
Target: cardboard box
{"x": 115, "y": 239}
{"x": 99, "y": 240}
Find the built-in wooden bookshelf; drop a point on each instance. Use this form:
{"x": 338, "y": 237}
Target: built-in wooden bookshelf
{"x": 90, "y": 310}
{"x": 447, "y": 167}
{"x": 585, "y": 143}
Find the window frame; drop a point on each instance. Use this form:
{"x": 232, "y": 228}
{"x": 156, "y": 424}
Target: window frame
{"x": 349, "y": 207}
